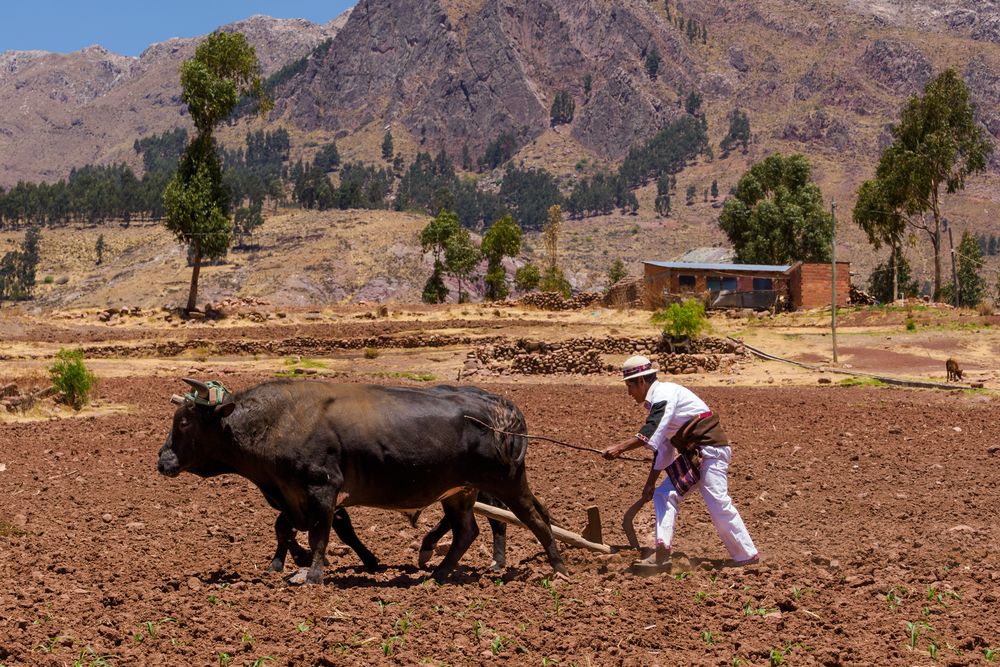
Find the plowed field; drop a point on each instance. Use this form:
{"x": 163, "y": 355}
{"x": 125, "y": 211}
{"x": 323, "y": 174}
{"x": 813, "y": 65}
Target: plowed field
{"x": 875, "y": 511}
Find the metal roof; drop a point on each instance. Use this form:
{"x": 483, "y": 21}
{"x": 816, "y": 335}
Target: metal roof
{"x": 697, "y": 266}
{"x": 703, "y": 255}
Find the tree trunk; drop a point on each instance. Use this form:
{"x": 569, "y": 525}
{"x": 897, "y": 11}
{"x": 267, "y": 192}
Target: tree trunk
{"x": 195, "y": 270}
{"x": 936, "y": 240}
{"x": 895, "y": 275}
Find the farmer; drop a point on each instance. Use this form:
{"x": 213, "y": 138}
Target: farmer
{"x": 688, "y": 441}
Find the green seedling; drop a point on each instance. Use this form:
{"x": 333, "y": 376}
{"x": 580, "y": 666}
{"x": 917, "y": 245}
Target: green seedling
{"x": 776, "y": 657}
{"x": 499, "y": 643}
{"x": 549, "y": 661}
{"x": 914, "y": 628}
{"x": 247, "y": 638}
{"x": 382, "y": 604}
{"x": 736, "y": 662}
{"x": 991, "y": 654}
{"x": 48, "y": 645}
{"x": 304, "y": 626}
{"x": 933, "y": 649}
{"x": 707, "y": 637}
{"x": 797, "y": 593}
{"x": 681, "y": 576}
{"x": 476, "y": 627}
{"x": 893, "y": 600}
{"x": 403, "y": 623}
{"x": 224, "y": 659}
{"x": 700, "y": 596}
{"x": 89, "y": 658}
{"x": 261, "y": 661}
{"x": 389, "y": 644}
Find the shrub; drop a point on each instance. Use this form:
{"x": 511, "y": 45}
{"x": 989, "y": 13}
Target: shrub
{"x": 911, "y": 324}
{"x": 526, "y": 278}
{"x": 683, "y": 319}
{"x": 986, "y": 308}
{"x": 371, "y": 353}
{"x": 71, "y": 377}
{"x": 553, "y": 280}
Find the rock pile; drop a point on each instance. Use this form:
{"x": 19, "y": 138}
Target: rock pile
{"x": 861, "y": 298}
{"x": 108, "y": 314}
{"x": 586, "y": 356}
{"x": 556, "y": 301}
{"x": 14, "y": 400}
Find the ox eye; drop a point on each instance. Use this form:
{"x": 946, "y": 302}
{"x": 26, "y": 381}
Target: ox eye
{"x": 183, "y": 422}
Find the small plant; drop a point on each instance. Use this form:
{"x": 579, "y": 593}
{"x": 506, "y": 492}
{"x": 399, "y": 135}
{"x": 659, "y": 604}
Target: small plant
{"x": 796, "y": 592}
{"x": 371, "y": 353}
{"x": 893, "y": 600}
{"x": 914, "y": 628}
{"x": 304, "y": 626}
{"x": 48, "y": 645}
{"x": 776, "y": 657}
{"x": 681, "y": 576}
{"x": 261, "y": 661}
{"x": 707, "y": 637}
{"x": 549, "y": 661}
{"x": 991, "y": 654}
{"x": 700, "y": 596}
{"x": 680, "y": 320}
{"x": 382, "y": 604}
{"x": 933, "y": 649}
{"x": 49, "y": 280}
{"x": 89, "y": 658}
{"x": 476, "y": 627}
{"x": 911, "y": 324}
{"x": 224, "y": 659}
{"x": 71, "y": 377}
{"x": 247, "y": 638}
{"x": 499, "y": 644}
{"x": 389, "y": 644}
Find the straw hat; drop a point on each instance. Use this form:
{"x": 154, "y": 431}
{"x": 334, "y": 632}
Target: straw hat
{"x": 637, "y": 366}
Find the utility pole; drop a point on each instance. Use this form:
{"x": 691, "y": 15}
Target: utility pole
{"x": 955, "y": 288}
{"x": 833, "y": 282}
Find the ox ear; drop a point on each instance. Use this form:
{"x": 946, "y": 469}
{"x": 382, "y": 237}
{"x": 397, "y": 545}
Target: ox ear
{"x": 198, "y": 386}
{"x": 225, "y": 409}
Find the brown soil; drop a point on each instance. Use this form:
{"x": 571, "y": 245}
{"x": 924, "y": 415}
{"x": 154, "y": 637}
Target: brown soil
{"x": 872, "y": 508}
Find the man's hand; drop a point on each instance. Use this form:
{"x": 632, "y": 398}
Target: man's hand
{"x": 611, "y": 452}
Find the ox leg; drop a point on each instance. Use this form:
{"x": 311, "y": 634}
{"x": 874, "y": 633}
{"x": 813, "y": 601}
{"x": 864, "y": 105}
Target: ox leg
{"x": 458, "y": 512}
{"x": 319, "y": 537}
{"x": 430, "y": 540}
{"x": 533, "y": 514}
{"x": 345, "y": 531}
{"x": 499, "y": 529}
{"x": 283, "y": 532}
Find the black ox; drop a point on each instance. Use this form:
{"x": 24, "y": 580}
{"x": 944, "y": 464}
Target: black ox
{"x": 314, "y": 448}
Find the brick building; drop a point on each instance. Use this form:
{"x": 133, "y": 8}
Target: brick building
{"x": 758, "y": 286}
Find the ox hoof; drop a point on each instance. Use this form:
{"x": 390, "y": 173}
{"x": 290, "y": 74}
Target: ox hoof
{"x": 276, "y": 565}
{"x": 424, "y": 558}
{"x": 440, "y": 575}
{"x": 498, "y": 565}
{"x": 373, "y": 566}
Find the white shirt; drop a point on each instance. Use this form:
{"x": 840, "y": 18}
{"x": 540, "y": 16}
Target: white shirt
{"x": 680, "y": 404}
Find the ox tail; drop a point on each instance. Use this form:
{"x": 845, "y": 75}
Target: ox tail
{"x": 509, "y": 433}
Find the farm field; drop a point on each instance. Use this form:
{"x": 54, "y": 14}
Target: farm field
{"x": 873, "y": 507}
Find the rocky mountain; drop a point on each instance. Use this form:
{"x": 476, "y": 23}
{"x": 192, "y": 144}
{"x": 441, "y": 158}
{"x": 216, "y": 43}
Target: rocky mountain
{"x": 58, "y": 110}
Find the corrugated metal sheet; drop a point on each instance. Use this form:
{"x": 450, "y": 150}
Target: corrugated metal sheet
{"x": 712, "y": 255}
{"x": 696, "y": 266}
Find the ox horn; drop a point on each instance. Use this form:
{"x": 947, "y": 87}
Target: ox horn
{"x": 198, "y": 386}
{"x": 177, "y": 400}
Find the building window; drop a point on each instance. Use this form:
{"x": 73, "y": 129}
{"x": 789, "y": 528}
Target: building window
{"x": 763, "y": 284}
{"x": 729, "y": 285}
{"x": 686, "y": 281}
{"x": 714, "y": 283}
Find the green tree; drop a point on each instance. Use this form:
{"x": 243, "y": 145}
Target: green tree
{"x": 653, "y": 63}
{"x": 71, "y": 377}
{"x": 616, "y": 272}
{"x": 563, "y": 108}
{"x": 527, "y": 278}
{"x": 776, "y": 215}
{"x": 502, "y": 239}
{"x": 682, "y": 319}
{"x": 894, "y": 277}
{"x": 662, "y": 203}
{"x": 690, "y": 194}
{"x": 434, "y": 239}
{"x": 328, "y": 158}
{"x": 971, "y": 286}
{"x": 99, "y": 249}
{"x": 715, "y": 189}
{"x": 588, "y": 82}
{"x": 738, "y": 134}
{"x": 936, "y": 146}
{"x": 387, "y": 146}
{"x": 17, "y": 267}
{"x": 223, "y": 68}
{"x": 461, "y": 257}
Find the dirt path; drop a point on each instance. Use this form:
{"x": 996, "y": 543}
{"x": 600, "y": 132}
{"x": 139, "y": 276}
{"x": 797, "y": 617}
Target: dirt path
{"x": 874, "y": 509}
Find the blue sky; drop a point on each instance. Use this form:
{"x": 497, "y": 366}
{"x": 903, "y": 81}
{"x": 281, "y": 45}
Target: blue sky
{"x": 129, "y": 26}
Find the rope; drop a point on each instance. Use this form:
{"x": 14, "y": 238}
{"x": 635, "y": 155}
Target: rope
{"x": 552, "y": 440}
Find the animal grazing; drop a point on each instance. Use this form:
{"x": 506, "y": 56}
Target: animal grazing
{"x": 314, "y": 448}
{"x": 954, "y": 372}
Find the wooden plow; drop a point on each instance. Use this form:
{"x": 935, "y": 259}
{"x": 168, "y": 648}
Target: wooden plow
{"x": 590, "y": 539}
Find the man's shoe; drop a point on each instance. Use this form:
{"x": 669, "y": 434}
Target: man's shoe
{"x": 753, "y": 560}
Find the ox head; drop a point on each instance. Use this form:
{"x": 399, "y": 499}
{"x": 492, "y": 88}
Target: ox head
{"x": 197, "y": 430}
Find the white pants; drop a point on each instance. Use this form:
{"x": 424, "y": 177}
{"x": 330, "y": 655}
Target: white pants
{"x": 714, "y": 488}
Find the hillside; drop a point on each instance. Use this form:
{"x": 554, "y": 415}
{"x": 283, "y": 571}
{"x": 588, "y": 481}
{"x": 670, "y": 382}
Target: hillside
{"x": 824, "y": 77}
